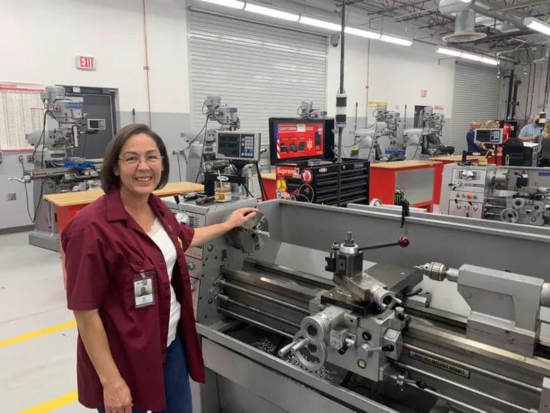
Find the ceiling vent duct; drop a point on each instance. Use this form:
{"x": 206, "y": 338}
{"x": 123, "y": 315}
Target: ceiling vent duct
{"x": 465, "y": 21}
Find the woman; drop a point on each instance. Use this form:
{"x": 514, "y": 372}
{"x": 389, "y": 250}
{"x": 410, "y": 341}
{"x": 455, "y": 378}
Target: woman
{"x": 546, "y": 131}
{"x": 128, "y": 285}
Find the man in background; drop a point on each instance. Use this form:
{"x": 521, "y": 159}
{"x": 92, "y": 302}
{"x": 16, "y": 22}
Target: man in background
{"x": 531, "y": 131}
{"x": 470, "y": 137}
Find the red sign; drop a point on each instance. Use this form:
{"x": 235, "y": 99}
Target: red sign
{"x": 424, "y": 93}
{"x": 85, "y": 62}
{"x": 285, "y": 171}
{"x": 299, "y": 139}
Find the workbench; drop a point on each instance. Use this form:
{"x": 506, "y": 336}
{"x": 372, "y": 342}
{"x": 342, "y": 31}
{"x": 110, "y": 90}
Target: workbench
{"x": 68, "y": 204}
{"x": 417, "y": 179}
{"x": 457, "y": 158}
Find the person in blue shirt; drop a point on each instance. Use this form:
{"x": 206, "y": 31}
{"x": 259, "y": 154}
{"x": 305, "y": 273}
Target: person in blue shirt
{"x": 470, "y": 137}
{"x": 531, "y": 132}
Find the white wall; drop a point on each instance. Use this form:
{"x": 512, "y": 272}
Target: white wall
{"x": 396, "y": 75}
{"x": 38, "y": 44}
{"x": 39, "y": 40}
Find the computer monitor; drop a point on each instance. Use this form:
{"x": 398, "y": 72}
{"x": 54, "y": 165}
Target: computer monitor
{"x": 292, "y": 139}
{"x": 490, "y": 136}
{"x": 238, "y": 146}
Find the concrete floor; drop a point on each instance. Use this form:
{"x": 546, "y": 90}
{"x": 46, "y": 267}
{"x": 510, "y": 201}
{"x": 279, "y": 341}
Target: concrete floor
{"x": 32, "y": 298}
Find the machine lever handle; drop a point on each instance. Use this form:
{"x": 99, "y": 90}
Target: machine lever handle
{"x": 23, "y": 180}
{"x": 262, "y": 233}
{"x": 286, "y": 349}
{"x": 371, "y": 350}
{"x": 302, "y": 343}
{"x": 343, "y": 350}
{"x": 293, "y": 347}
{"x": 401, "y": 241}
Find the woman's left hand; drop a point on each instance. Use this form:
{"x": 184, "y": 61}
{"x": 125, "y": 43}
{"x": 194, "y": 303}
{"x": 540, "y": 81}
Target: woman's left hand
{"x": 240, "y": 216}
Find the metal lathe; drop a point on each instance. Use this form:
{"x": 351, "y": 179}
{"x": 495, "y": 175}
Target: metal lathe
{"x": 311, "y": 308}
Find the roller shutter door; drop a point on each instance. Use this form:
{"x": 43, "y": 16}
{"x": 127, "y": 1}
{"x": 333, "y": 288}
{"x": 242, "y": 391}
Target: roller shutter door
{"x": 476, "y": 96}
{"x": 264, "y": 71}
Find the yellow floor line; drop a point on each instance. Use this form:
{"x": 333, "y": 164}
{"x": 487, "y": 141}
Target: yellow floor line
{"x": 38, "y": 333}
{"x": 53, "y": 404}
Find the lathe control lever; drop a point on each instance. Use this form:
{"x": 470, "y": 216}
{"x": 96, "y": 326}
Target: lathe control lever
{"x": 24, "y": 180}
{"x": 402, "y": 242}
{"x": 293, "y": 347}
{"x": 369, "y": 351}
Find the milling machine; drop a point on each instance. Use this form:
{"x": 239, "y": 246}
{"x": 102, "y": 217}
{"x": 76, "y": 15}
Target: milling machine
{"x": 307, "y": 111}
{"x": 426, "y": 142}
{"x": 368, "y": 141}
{"x": 55, "y": 170}
{"x": 359, "y": 326}
{"x": 202, "y": 154}
{"x": 392, "y": 119}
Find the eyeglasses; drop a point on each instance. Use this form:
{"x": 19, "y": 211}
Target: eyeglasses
{"x": 134, "y": 159}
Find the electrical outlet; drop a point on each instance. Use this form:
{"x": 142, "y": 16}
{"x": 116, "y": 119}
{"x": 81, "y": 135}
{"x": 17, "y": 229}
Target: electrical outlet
{"x": 12, "y": 196}
{"x": 30, "y": 158}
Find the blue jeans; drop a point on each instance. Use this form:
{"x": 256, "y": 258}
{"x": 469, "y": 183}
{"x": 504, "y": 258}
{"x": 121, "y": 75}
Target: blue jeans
{"x": 176, "y": 381}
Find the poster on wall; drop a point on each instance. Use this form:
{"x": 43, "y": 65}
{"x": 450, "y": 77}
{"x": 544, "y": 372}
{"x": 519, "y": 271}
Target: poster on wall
{"x": 21, "y": 112}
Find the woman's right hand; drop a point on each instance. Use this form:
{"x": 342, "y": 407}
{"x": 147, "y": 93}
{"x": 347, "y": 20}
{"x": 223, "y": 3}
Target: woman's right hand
{"x": 117, "y": 397}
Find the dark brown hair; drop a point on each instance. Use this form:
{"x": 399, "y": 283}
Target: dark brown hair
{"x": 107, "y": 175}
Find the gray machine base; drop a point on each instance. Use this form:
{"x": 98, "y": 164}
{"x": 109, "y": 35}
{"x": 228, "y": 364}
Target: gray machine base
{"x": 45, "y": 240}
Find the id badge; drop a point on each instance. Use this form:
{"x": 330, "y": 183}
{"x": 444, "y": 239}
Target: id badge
{"x": 144, "y": 292}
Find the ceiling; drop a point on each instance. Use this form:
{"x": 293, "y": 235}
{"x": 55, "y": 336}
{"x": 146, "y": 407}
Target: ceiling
{"x": 500, "y": 20}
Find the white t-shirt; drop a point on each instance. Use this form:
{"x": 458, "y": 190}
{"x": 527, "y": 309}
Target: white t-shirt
{"x": 165, "y": 244}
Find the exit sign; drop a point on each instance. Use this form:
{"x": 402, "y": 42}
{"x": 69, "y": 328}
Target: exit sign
{"x": 85, "y": 62}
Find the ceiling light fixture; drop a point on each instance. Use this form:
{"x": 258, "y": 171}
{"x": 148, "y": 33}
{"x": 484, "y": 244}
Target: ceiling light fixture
{"x": 537, "y": 25}
{"x": 489, "y": 61}
{"x": 469, "y": 56}
{"x": 320, "y": 23}
{"x": 363, "y": 33}
{"x": 234, "y": 4}
{"x": 449, "y": 52}
{"x": 396, "y": 40}
{"x": 278, "y": 14}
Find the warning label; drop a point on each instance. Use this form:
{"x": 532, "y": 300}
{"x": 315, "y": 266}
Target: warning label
{"x": 451, "y": 368}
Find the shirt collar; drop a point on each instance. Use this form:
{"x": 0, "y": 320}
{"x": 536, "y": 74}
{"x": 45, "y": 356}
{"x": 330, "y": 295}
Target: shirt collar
{"x": 115, "y": 208}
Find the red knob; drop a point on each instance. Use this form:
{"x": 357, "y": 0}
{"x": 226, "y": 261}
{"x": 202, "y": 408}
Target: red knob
{"x": 403, "y": 241}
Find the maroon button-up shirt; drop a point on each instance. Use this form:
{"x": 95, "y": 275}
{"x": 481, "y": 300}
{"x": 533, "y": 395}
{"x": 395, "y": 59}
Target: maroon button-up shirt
{"x": 104, "y": 249}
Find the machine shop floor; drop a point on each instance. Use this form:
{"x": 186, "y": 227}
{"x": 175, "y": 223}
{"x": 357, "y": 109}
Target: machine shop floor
{"x": 37, "y": 332}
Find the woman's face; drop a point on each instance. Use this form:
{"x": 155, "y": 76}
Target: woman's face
{"x": 139, "y": 166}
